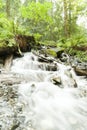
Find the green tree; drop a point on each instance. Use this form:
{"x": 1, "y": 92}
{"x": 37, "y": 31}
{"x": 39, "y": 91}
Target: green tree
{"x": 66, "y": 20}
{"x": 37, "y": 17}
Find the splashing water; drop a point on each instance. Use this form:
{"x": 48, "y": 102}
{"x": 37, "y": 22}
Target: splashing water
{"x": 47, "y": 106}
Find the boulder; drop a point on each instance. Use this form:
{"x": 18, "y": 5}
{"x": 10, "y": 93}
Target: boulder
{"x": 51, "y": 67}
{"x": 80, "y": 72}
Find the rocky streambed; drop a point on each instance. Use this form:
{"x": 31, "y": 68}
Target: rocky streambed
{"x": 41, "y": 93}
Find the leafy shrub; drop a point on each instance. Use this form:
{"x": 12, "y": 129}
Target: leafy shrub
{"x": 6, "y": 28}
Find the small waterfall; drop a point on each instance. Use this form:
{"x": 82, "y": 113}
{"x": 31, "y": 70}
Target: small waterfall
{"x": 50, "y": 100}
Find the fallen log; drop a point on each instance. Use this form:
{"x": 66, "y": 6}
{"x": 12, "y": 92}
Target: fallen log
{"x": 44, "y": 58}
{"x": 6, "y": 50}
{"x": 20, "y": 43}
{"x": 25, "y": 42}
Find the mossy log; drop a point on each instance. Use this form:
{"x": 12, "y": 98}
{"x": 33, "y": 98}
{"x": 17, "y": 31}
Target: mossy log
{"x": 20, "y": 43}
{"x": 6, "y": 50}
{"x": 26, "y": 43}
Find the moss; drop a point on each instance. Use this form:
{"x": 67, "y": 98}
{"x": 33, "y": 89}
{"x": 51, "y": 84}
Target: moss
{"x": 51, "y": 52}
{"x": 11, "y": 43}
{"x": 7, "y": 43}
{"x": 2, "y": 44}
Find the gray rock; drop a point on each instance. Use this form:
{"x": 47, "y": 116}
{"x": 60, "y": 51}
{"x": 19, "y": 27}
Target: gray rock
{"x": 56, "y": 80}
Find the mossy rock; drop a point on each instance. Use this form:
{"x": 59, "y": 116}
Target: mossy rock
{"x": 55, "y": 52}
{"x": 51, "y": 52}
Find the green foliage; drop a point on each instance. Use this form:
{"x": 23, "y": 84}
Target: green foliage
{"x": 45, "y": 21}
{"x": 37, "y": 36}
{"x": 37, "y": 18}
{"x": 1, "y": 4}
{"x": 49, "y": 43}
{"x": 2, "y": 44}
{"x": 19, "y": 29}
{"x": 78, "y": 39}
{"x": 7, "y": 43}
{"x": 6, "y": 28}
{"x": 82, "y": 55}
{"x": 37, "y": 12}
{"x": 11, "y": 42}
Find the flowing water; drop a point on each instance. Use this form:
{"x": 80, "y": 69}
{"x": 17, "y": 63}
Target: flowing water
{"x": 46, "y": 105}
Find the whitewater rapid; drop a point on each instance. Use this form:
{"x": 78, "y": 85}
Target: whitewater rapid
{"x": 47, "y": 106}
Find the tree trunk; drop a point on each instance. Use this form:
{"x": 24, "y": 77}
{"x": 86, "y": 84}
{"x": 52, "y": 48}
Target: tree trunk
{"x": 69, "y": 18}
{"x": 66, "y": 22}
{"x": 8, "y": 8}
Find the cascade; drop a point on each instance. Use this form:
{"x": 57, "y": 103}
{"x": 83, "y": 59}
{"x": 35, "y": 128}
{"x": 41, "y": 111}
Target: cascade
{"x": 47, "y": 99}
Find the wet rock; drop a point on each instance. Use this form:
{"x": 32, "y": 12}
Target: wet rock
{"x": 0, "y": 127}
{"x": 79, "y": 67}
{"x": 69, "y": 82}
{"x": 0, "y": 71}
{"x": 64, "y": 57}
{"x": 9, "y": 78}
{"x": 59, "y": 53}
{"x": 15, "y": 125}
{"x": 48, "y": 66}
{"x": 56, "y": 80}
{"x": 73, "y": 83}
{"x": 1, "y": 63}
{"x": 7, "y": 109}
{"x": 9, "y": 94}
{"x": 1, "y": 91}
{"x": 83, "y": 93}
{"x": 8, "y": 62}
{"x": 33, "y": 88}
{"x": 78, "y": 63}
{"x": 71, "y": 79}
{"x": 80, "y": 72}
{"x": 42, "y": 58}
{"x": 51, "y": 67}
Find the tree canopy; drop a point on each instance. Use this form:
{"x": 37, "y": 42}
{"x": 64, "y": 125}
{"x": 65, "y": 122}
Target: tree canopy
{"x": 47, "y": 20}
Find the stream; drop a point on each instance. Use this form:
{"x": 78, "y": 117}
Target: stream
{"x": 34, "y": 96}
